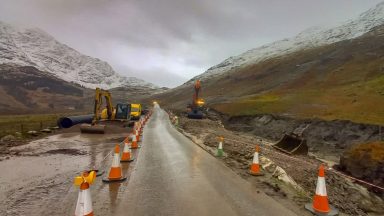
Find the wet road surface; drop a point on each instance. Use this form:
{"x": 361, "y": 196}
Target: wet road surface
{"x": 173, "y": 176}
{"x": 170, "y": 176}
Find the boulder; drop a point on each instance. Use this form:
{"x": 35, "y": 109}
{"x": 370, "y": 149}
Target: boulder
{"x": 365, "y": 161}
{"x": 33, "y": 133}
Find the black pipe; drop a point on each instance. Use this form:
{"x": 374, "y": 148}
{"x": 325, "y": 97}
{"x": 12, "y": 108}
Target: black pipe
{"x": 67, "y": 122}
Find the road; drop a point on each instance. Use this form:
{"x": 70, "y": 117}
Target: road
{"x": 170, "y": 176}
{"x": 174, "y": 176}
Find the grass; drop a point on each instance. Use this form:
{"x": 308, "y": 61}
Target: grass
{"x": 358, "y": 101}
{"x": 373, "y": 151}
{"x": 10, "y": 124}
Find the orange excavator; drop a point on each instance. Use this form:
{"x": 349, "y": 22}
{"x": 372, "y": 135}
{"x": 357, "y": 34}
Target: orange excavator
{"x": 195, "y": 108}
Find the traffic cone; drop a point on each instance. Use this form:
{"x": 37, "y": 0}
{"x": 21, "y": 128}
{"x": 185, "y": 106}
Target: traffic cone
{"x": 115, "y": 173}
{"x": 84, "y": 201}
{"x": 320, "y": 205}
{"x": 126, "y": 156}
{"x": 134, "y": 144}
{"x": 220, "y": 151}
{"x": 255, "y": 167}
{"x": 137, "y": 135}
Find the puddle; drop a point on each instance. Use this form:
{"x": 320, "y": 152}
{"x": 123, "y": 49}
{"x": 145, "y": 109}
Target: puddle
{"x": 66, "y": 151}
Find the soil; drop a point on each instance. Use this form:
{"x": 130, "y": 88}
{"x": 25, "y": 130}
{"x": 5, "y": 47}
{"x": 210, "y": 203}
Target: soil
{"x": 241, "y": 134}
{"x": 7, "y": 145}
{"x": 326, "y": 139}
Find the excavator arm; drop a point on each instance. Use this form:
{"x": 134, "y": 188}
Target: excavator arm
{"x": 99, "y": 94}
{"x": 197, "y": 102}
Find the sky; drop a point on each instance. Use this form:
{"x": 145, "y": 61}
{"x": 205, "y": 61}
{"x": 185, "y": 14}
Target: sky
{"x": 167, "y": 42}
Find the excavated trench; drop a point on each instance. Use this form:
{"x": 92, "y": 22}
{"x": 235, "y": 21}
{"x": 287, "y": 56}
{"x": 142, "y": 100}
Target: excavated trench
{"x": 326, "y": 139}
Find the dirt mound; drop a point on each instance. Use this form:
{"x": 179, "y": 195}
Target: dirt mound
{"x": 112, "y": 127}
{"x": 365, "y": 161}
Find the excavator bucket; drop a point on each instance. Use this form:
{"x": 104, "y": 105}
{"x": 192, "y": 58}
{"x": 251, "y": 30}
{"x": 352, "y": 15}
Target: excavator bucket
{"x": 292, "y": 144}
{"x": 94, "y": 129}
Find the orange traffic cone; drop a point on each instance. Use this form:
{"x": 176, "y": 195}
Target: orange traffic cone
{"x": 115, "y": 173}
{"x": 137, "y": 135}
{"x": 84, "y": 201}
{"x": 320, "y": 205}
{"x": 134, "y": 144}
{"x": 255, "y": 167}
{"x": 126, "y": 156}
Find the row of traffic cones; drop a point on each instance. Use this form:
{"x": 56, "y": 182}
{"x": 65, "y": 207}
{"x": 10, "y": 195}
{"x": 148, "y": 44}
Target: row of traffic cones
{"x": 84, "y": 201}
{"x": 319, "y": 205}
{"x": 115, "y": 173}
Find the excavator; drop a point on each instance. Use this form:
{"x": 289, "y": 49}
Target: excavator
{"x": 195, "y": 108}
{"x": 122, "y": 113}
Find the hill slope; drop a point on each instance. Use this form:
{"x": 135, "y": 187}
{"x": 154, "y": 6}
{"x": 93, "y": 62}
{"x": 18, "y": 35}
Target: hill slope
{"x": 310, "y": 38}
{"x": 25, "y": 89}
{"x": 343, "y": 80}
{"x": 34, "y": 47}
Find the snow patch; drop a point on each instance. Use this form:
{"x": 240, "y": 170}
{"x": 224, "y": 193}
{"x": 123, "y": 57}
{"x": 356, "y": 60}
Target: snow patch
{"x": 34, "y": 47}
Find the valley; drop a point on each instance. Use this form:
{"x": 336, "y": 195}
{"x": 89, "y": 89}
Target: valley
{"x": 267, "y": 131}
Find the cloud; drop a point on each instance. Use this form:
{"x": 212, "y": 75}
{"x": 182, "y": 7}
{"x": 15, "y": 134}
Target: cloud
{"x": 170, "y": 41}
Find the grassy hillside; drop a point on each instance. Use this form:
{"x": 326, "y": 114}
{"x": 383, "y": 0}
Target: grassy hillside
{"x": 339, "y": 81}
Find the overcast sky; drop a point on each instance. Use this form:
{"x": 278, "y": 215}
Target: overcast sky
{"x": 168, "y": 42}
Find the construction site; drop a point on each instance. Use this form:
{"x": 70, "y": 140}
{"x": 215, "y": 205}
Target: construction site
{"x": 219, "y": 108}
{"x": 133, "y": 156}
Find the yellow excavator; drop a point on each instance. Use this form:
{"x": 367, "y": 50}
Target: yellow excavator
{"x": 122, "y": 113}
{"x": 195, "y": 109}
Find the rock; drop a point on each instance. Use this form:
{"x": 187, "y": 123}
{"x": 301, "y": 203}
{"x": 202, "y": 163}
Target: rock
{"x": 18, "y": 134}
{"x": 33, "y": 133}
{"x": 365, "y": 161}
{"x": 46, "y": 130}
{"x": 8, "y": 138}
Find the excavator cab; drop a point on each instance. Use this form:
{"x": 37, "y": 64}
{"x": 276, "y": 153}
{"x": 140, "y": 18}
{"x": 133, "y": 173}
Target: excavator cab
{"x": 123, "y": 112}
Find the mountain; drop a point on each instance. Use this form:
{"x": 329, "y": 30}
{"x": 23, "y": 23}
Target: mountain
{"x": 338, "y": 80}
{"x": 25, "y": 89}
{"x": 34, "y": 47}
{"x": 310, "y": 38}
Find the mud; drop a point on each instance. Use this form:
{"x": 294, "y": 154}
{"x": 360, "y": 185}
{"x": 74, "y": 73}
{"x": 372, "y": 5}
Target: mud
{"x": 239, "y": 144}
{"x": 37, "y": 176}
{"x": 326, "y": 139}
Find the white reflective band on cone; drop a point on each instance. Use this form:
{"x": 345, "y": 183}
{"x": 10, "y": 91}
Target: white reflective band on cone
{"x": 256, "y": 158}
{"x": 84, "y": 203}
{"x": 126, "y": 148}
{"x": 220, "y": 145}
{"x": 133, "y": 138}
{"x": 116, "y": 161}
{"x": 320, "y": 187}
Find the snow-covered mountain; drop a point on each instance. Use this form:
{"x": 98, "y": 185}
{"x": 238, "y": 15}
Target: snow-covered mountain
{"x": 34, "y": 47}
{"x": 312, "y": 37}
